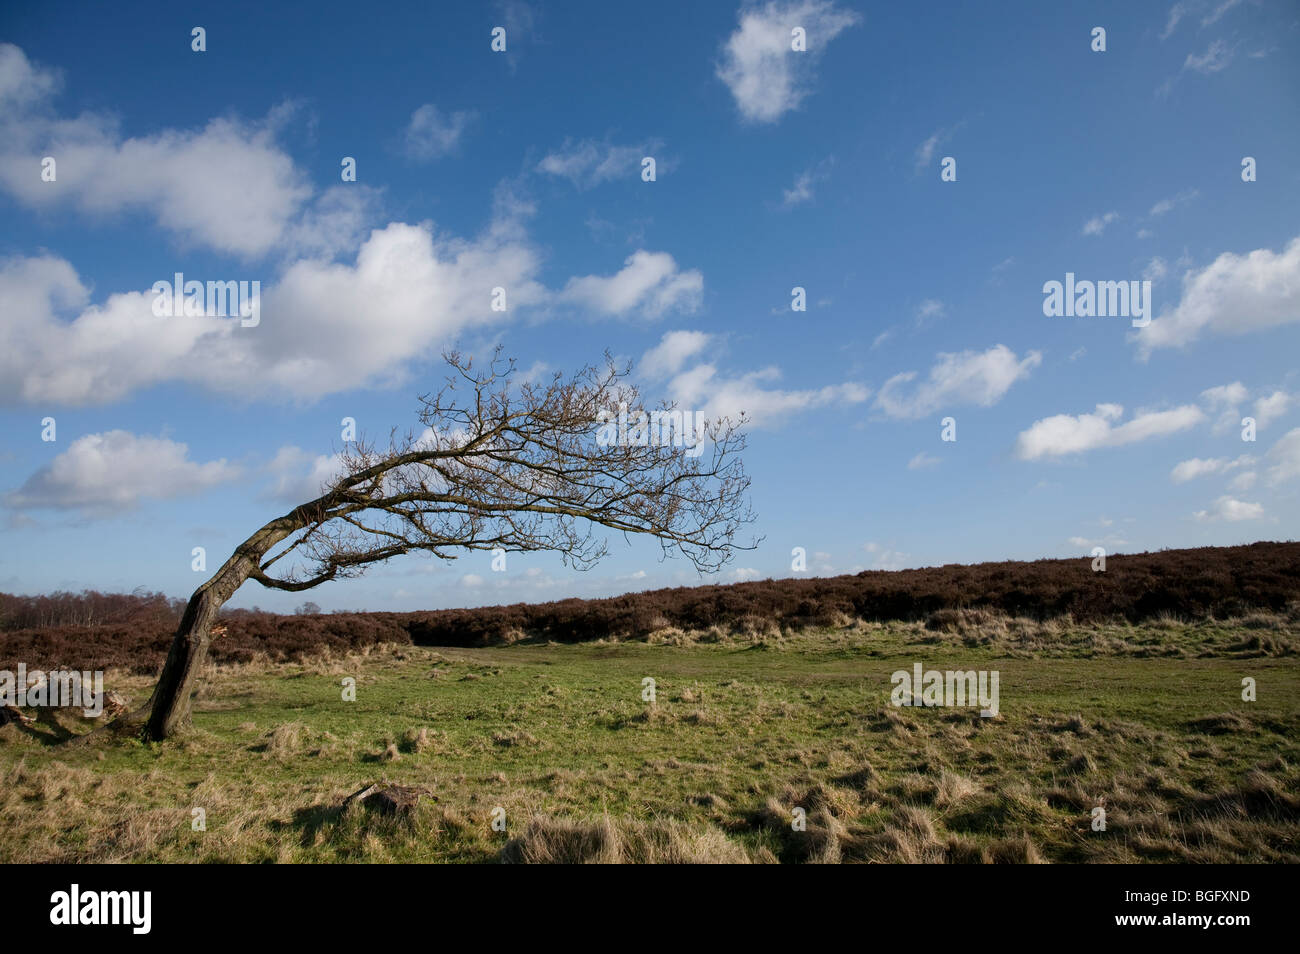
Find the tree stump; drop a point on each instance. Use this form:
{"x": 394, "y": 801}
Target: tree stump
{"x": 389, "y": 799}
{"x": 10, "y": 714}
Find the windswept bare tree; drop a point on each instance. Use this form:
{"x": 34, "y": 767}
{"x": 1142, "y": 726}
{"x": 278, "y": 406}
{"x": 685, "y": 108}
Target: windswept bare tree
{"x": 520, "y": 466}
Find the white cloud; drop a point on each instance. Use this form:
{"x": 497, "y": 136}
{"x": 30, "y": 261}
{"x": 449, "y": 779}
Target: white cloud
{"x": 996, "y": 276}
{"x": 802, "y": 190}
{"x": 766, "y": 77}
{"x": 923, "y": 460}
{"x": 929, "y": 309}
{"x": 672, "y": 352}
{"x": 1285, "y": 458}
{"x": 336, "y": 223}
{"x": 1235, "y": 294}
{"x": 1156, "y": 270}
{"x": 926, "y": 150}
{"x": 1176, "y": 14}
{"x": 702, "y": 388}
{"x": 589, "y": 163}
{"x": 884, "y": 558}
{"x": 1168, "y": 205}
{"x": 1270, "y": 408}
{"x": 519, "y": 20}
{"x": 431, "y": 135}
{"x": 1226, "y": 401}
{"x": 1065, "y": 434}
{"x": 1243, "y": 481}
{"x": 1219, "y": 11}
{"x": 1097, "y": 224}
{"x": 228, "y": 185}
{"x": 1217, "y": 57}
{"x": 1225, "y": 395}
{"x": 23, "y": 85}
{"x": 1087, "y": 543}
{"x": 649, "y": 282}
{"x": 299, "y": 476}
{"x": 1201, "y": 467}
{"x": 1196, "y": 467}
{"x": 324, "y": 327}
{"x": 115, "y": 470}
{"x": 1230, "y": 509}
{"x": 970, "y": 377}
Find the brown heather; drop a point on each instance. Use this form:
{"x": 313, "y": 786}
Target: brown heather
{"x": 132, "y": 632}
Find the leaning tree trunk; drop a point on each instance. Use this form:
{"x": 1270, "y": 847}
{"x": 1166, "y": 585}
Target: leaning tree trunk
{"x": 169, "y": 708}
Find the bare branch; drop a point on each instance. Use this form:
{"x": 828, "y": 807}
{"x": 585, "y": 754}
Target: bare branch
{"x": 540, "y": 466}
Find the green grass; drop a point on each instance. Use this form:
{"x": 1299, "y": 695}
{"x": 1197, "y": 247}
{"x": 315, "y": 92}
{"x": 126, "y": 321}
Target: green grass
{"x": 1147, "y": 722}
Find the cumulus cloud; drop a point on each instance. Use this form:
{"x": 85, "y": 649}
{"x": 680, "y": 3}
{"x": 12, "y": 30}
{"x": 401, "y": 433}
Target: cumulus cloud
{"x": 649, "y": 283}
{"x": 673, "y": 350}
{"x": 968, "y": 377}
{"x": 115, "y": 470}
{"x": 1225, "y": 395}
{"x": 1226, "y": 400}
{"x": 431, "y": 134}
{"x": 1243, "y": 481}
{"x": 1065, "y": 434}
{"x": 1271, "y": 407}
{"x": 588, "y": 163}
{"x": 1234, "y": 295}
{"x": 324, "y": 327}
{"x": 1284, "y": 458}
{"x": 1200, "y": 467}
{"x": 23, "y": 84}
{"x": 767, "y": 77}
{"x": 336, "y": 222}
{"x": 1230, "y": 509}
{"x": 702, "y": 388}
{"x": 228, "y": 185}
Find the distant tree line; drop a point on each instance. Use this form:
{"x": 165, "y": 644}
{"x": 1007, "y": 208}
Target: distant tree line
{"x": 87, "y": 608}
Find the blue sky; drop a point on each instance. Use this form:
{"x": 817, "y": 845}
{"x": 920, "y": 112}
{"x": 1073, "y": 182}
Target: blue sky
{"x": 775, "y": 168}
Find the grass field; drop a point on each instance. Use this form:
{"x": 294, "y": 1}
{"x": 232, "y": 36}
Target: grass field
{"x": 1147, "y": 722}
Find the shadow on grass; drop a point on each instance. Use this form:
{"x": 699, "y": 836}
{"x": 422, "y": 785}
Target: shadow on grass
{"x": 311, "y": 822}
